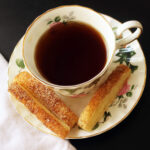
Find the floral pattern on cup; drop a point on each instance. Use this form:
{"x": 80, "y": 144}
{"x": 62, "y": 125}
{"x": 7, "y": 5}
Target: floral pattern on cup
{"x": 124, "y": 94}
{"x": 125, "y": 55}
{"x": 124, "y": 90}
{"x": 64, "y": 19}
{"x": 77, "y": 92}
{"x": 20, "y": 64}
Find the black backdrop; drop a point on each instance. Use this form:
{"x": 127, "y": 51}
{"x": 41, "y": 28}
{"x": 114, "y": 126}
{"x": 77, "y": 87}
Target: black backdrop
{"x": 133, "y": 132}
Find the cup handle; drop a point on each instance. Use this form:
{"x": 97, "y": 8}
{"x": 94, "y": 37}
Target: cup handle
{"x": 125, "y": 26}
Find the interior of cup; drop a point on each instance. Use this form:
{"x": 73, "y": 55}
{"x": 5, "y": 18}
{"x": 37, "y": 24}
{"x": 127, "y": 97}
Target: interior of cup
{"x": 78, "y": 13}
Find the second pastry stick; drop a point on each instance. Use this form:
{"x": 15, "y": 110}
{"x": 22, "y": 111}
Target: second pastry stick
{"x": 103, "y": 98}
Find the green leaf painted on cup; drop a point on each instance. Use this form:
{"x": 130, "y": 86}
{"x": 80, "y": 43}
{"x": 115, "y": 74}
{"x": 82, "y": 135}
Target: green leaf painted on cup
{"x": 132, "y": 87}
{"x": 96, "y": 126}
{"x": 125, "y": 55}
{"x": 114, "y": 28}
{"x": 20, "y": 63}
{"x": 57, "y": 19}
{"x": 121, "y": 96}
{"x": 50, "y": 22}
{"x": 133, "y": 68}
{"x": 129, "y": 94}
{"x": 106, "y": 115}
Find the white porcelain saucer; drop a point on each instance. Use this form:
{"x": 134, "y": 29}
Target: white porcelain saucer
{"x": 132, "y": 56}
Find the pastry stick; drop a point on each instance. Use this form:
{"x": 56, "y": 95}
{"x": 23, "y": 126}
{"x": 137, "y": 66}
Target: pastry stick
{"x": 45, "y": 116}
{"x": 47, "y": 97}
{"x": 103, "y": 98}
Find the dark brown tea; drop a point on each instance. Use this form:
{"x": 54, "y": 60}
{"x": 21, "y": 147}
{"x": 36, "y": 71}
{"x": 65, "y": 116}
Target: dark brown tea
{"x": 71, "y": 53}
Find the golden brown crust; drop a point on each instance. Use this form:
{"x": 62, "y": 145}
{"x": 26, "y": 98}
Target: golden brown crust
{"x": 46, "y": 117}
{"x": 46, "y": 96}
{"x": 103, "y": 97}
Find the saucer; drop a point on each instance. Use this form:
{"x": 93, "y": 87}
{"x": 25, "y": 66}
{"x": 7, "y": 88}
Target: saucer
{"x": 132, "y": 55}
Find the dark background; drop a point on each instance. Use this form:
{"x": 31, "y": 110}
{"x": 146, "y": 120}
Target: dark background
{"x": 133, "y": 132}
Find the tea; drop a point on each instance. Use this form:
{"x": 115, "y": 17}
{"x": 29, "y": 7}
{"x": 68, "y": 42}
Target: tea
{"x": 70, "y": 53}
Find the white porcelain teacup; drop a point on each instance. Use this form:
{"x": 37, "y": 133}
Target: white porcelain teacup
{"x": 78, "y": 14}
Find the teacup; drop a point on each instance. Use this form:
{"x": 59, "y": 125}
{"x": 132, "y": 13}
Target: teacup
{"x": 78, "y": 14}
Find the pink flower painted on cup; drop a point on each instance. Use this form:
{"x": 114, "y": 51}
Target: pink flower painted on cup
{"x": 125, "y": 89}
{"x": 54, "y": 24}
